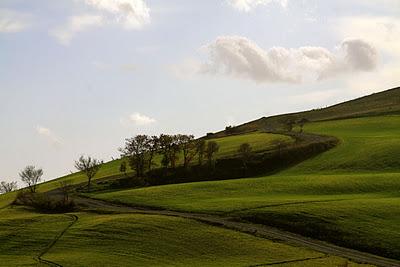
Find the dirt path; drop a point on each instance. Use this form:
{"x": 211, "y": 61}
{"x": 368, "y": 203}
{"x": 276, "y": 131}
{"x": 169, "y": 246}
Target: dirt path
{"x": 44, "y": 251}
{"x": 90, "y": 204}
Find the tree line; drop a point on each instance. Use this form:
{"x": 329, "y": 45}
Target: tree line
{"x": 140, "y": 153}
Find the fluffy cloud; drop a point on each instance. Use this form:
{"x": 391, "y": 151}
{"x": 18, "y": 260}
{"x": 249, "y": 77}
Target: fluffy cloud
{"x": 138, "y": 120}
{"x": 383, "y": 32}
{"x": 76, "y": 24}
{"x": 11, "y": 21}
{"x": 240, "y": 57}
{"x": 131, "y": 14}
{"x": 248, "y": 5}
{"x": 47, "y": 133}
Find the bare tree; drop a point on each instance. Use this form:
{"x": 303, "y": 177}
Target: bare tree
{"x": 212, "y": 148}
{"x": 88, "y": 165}
{"x": 31, "y": 177}
{"x": 200, "y": 149}
{"x": 6, "y": 187}
{"x": 245, "y": 152}
{"x": 136, "y": 150}
{"x": 65, "y": 187}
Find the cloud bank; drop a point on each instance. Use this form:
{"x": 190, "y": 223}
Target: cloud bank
{"x": 248, "y": 5}
{"x": 239, "y": 57}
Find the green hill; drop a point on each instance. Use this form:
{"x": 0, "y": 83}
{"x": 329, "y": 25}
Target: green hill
{"x": 348, "y": 195}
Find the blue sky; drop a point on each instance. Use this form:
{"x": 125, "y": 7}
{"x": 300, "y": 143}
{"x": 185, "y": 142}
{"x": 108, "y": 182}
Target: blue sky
{"x": 79, "y": 76}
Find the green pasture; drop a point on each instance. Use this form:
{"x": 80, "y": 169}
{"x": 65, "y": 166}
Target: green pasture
{"x": 356, "y": 179}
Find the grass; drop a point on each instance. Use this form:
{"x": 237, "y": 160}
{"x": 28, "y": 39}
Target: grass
{"x": 24, "y": 234}
{"x": 152, "y": 240}
{"x": 350, "y": 192}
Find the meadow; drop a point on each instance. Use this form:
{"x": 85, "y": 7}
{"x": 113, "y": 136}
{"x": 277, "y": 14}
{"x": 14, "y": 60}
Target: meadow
{"x": 348, "y": 195}
{"x": 143, "y": 240}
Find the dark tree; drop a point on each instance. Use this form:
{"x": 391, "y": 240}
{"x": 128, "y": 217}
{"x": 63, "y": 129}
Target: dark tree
{"x": 153, "y": 147}
{"x": 165, "y": 146}
{"x": 212, "y": 148}
{"x": 6, "y": 187}
{"x": 136, "y": 150}
{"x": 122, "y": 167}
{"x": 170, "y": 147}
{"x": 245, "y": 152}
{"x": 188, "y": 145}
{"x": 65, "y": 187}
{"x": 200, "y": 149}
{"x": 89, "y": 166}
{"x": 31, "y": 177}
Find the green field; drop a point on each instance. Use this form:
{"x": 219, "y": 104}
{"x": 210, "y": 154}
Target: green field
{"x": 24, "y": 235}
{"x": 142, "y": 240}
{"x": 349, "y": 195}
{"x": 344, "y": 192}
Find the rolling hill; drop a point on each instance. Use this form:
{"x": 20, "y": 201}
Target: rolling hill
{"x": 348, "y": 195}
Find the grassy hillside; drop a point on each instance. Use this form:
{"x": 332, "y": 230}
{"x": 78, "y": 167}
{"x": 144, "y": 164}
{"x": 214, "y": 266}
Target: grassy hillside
{"x": 347, "y": 195}
{"x": 140, "y": 240}
{"x": 382, "y": 103}
{"x": 23, "y": 235}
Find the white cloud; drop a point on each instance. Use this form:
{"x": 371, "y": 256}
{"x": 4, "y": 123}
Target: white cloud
{"x": 46, "y": 132}
{"x": 138, "y": 120}
{"x": 11, "y": 21}
{"x": 131, "y": 14}
{"x": 248, "y": 5}
{"x": 382, "y": 32}
{"x": 239, "y": 57}
{"x": 76, "y": 24}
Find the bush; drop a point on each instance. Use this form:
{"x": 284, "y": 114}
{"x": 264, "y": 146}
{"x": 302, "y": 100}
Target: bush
{"x": 43, "y": 202}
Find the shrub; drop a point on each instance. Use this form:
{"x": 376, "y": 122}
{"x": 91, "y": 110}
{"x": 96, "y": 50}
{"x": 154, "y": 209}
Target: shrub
{"x": 43, "y": 202}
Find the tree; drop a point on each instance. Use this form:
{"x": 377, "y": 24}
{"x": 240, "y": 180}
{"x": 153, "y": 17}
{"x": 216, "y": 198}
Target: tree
{"x": 122, "y": 167}
{"x": 88, "y": 165}
{"x": 245, "y": 152}
{"x": 6, "y": 187}
{"x": 188, "y": 145}
{"x": 212, "y": 148}
{"x": 31, "y": 177}
{"x": 153, "y": 147}
{"x": 136, "y": 150}
{"x": 200, "y": 149}
{"x": 170, "y": 146}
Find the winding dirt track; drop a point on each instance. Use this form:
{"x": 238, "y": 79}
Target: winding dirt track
{"x": 40, "y": 259}
{"x": 90, "y": 204}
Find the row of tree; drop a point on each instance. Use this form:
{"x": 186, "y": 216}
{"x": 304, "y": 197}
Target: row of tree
{"x": 140, "y": 151}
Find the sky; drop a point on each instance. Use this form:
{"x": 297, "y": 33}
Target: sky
{"x": 79, "y": 76}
